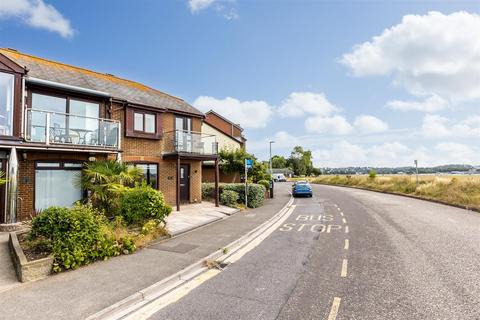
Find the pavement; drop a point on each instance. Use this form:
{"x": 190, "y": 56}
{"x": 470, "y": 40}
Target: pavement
{"x": 85, "y": 291}
{"x": 8, "y": 278}
{"x": 350, "y": 254}
{"x": 192, "y": 216}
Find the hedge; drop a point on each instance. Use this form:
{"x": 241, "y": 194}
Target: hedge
{"x": 229, "y": 198}
{"x": 256, "y": 192}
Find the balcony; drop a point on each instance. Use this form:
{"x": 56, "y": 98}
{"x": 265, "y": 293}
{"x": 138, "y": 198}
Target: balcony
{"x": 68, "y": 129}
{"x": 190, "y": 143}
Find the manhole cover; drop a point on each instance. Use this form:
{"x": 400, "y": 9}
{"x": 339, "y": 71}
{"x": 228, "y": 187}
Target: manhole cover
{"x": 179, "y": 248}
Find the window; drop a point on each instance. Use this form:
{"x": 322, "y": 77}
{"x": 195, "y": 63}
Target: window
{"x": 144, "y": 122}
{"x": 150, "y": 123}
{"x": 183, "y": 136}
{"x": 138, "y": 125}
{"x": 6, "y": 103}
{"x": 150, "y": 173}
{"x": 56, "y": 184}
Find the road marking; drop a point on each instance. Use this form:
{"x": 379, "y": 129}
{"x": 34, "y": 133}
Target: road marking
{"x": 334, "y": 309}
{"x": 341, "y": 213}
{"x": 347, "y": 244}
{"x": 171, "y": 297}
{"x": 346, "y": 229}
{"x": 338, "y": 209}
{"x": 343, "y": 273}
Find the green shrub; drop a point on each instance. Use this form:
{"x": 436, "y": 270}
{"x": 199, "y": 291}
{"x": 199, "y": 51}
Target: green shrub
{"x": 208, "y": 190}
{"x": 75, "y": 235}
{"x": 372, "y": 174}
{"x": 142, "y": 203}
{"x": 265, "y": 183}
{"x": 256, "y": 193}
{"x": 229, "y": 198}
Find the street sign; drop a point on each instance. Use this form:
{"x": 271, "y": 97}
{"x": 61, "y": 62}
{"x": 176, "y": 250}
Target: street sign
{"x": 249, "y": 163}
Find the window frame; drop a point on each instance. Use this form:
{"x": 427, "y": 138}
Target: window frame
{"x": 135, "y": 163}
{"x": 129, "y": 123}
{"x": 144, "y": 113}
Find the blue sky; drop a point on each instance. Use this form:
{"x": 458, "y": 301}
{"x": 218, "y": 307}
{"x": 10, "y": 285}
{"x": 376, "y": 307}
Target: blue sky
{"x": 357, "y": 82}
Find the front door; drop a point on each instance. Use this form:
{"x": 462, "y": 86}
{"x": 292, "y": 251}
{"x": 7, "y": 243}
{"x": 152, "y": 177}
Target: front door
{"x": 185, "y": 183}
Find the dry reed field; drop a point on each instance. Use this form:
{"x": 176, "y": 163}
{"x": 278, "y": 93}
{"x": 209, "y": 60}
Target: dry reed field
{"x": 463, "y": 190}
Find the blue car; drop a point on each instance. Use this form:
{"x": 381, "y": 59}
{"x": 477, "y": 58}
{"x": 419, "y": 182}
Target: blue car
{"x": 302, "y": 188}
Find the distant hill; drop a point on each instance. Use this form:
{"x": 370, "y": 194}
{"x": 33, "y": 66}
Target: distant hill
{"x": 449, "y": 168}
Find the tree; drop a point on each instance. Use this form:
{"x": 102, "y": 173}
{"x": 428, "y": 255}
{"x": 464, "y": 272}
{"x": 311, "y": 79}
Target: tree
{"x": 233, "y": 162}
{"x": 104, "y": 180}
{"x": 279, "y": 162}
{"x": 301, "y": 161}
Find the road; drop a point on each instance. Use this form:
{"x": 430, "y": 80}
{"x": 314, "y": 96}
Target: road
{"x": 351, "y": 254}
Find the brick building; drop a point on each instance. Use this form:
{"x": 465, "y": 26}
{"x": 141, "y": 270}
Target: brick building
{"x": 229, "y": 136}
{"x": 56, "y": 117}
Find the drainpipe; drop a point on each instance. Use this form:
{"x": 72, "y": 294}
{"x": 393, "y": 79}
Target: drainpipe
{"x": 12, "y": 187}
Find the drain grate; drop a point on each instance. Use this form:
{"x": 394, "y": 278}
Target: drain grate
{"x": 179, "y": 248}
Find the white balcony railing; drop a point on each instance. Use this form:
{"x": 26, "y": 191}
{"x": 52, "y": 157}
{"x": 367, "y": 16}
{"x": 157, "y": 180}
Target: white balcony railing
{"x": 62, "y": 128}
{"x": 179, "y": 141}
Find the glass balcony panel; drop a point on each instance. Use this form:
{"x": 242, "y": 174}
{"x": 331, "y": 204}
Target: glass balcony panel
{"x": 71, "y": 129}
{"x": 180, "y": 141}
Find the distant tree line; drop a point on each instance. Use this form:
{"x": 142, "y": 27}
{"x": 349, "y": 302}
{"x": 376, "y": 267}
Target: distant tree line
{"x": 299, "y": 161}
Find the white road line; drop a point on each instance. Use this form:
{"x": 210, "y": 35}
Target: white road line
{"x": 341, "y": 213}
{"x": 343, "y": 273}
{"x": 338, "y": 209}
{"x": 344, "y": 220}
{"x": 346, "y": 229}
{"x": 334, "y": 309}
{"x": 347, "y": 244}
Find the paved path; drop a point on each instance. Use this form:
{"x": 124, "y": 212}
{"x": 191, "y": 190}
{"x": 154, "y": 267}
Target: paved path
{"x": 351, "y": 254}
{"x": 78, "y": 294}
{"x": 8, "y": 279}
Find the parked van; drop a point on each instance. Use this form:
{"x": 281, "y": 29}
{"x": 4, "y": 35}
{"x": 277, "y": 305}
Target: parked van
{"x": 279, "y": 177}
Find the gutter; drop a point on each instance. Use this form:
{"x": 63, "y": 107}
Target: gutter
{"x": 59, "y": 85}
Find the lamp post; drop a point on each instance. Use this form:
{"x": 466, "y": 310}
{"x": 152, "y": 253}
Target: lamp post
{"x": 271, "y": 170}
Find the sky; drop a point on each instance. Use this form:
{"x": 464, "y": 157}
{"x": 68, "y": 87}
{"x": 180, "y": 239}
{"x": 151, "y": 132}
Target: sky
{"x": 359, "y": 83}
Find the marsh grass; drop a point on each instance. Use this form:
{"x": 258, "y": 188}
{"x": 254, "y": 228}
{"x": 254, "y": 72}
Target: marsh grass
{"x": 456, "y": 190}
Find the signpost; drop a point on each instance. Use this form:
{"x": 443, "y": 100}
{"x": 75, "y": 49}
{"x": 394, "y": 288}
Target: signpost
{"x": 248, "y": 165}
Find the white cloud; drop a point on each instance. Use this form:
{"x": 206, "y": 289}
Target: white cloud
{"x": 299, "y": 104}
{"x": 456, "y": 152}
{"x": 336, "y": 125}
{"x": 198, "y": 5}
{"x": 433, "y": 103}
{"x": 370, "y": 124}
{"x": 249, "y": 114}
{"x": 225, "y": 8}
{"x": 435, "y": 126}
{"x": 37, "y": 14}
{"x": 433, "y": 54}
{"x": 393, "y": 154}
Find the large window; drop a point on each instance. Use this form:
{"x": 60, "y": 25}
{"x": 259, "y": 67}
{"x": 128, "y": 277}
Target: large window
{"x": 71, "y": 120}
{"x": 56, "y": 184}
{"x": 144, "y": 122}
{"x": 6, "y": 103}
{"x": 150, "y": 173}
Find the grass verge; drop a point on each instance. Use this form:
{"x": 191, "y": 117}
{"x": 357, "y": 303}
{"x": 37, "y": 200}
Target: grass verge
{"x": 455, "y": 190}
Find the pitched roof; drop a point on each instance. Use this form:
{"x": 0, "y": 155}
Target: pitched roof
{"x": 123, "y": 89}
{"x": 225, "y": 119}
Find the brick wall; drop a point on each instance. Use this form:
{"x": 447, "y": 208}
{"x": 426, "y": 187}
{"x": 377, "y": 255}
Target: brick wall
{"x": 150, "y": 151}
{"x": 208, "y": 175}
{"x": 26, "y": 173}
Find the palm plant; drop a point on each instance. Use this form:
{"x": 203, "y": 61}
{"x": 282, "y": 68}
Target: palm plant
{"x": 105, "y": 179}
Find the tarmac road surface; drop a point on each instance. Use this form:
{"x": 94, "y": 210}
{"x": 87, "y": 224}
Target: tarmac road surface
{"x": 351, "y": 254}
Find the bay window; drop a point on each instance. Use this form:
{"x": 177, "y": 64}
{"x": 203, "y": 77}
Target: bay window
{"x": 144, "y": 122}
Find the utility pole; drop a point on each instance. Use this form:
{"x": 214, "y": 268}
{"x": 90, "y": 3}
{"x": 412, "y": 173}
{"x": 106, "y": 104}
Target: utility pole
{"x": 416, "y": 169}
